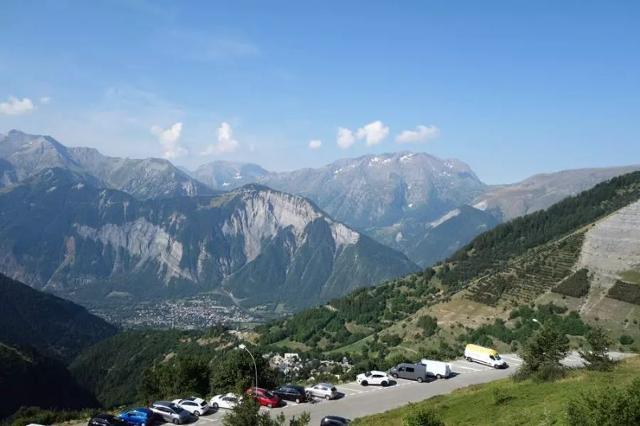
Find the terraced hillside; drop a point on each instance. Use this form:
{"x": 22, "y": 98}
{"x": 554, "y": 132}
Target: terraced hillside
{"x": 526, "y": 277}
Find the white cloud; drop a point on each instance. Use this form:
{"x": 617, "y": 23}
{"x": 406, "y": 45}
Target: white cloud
{"x": 374, "y": 132}
{"x": 226, "y": 142}
{"x": 315, "y": 144}
{"x": 421, "y": 134}
{"x": 346, "y": 138}
{"x": 45, "y": 100}
{"x": 15, "y": 106}
{"x": 170, "y": 140}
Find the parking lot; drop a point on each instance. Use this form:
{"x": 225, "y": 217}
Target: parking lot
{"x": 356, "y": 400}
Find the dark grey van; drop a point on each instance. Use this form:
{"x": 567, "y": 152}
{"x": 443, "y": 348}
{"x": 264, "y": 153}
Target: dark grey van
{"x": 409, "y": 371}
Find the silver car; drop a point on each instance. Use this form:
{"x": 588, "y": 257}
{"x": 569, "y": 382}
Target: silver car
{"x": 170, "y": 412}
{"x": 322, "y": 390}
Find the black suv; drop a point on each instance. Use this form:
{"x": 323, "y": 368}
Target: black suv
{"x": 292, "y": 393}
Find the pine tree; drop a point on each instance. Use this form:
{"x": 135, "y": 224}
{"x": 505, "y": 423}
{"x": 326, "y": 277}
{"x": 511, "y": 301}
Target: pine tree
{"x": 597, "y": 358}
{"x": 542, "y": 354}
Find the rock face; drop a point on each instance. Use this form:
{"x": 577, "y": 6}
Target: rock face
{"x": 23, "y": 155}
{"x": 612, "y": 245}
{"x": 541, "y": 191}
{"x": 392, "y": 197}
{"x": 61, "y": 233}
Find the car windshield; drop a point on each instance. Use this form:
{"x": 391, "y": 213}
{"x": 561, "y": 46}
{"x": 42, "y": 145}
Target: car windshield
{"x": 497, "y": 357}
{"x": 268, "y": 394}
{"x": 368, "y": 373}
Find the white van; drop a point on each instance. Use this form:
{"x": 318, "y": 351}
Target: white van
{"x": 484, "y": 355}
{"x": 437, "y": 369}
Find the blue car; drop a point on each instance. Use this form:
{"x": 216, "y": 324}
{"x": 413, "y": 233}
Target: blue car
{"x": 138, "y": 417}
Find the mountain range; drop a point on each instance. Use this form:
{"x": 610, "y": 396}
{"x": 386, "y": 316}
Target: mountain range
{"x": 23, "y": 155}
{"x": 62, "y": 234}
{"x": 421, "y": 205}
{"x": 101, "y": 229}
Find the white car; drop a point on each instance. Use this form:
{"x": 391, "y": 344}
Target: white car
{"x": 194, "y": 405}
{"x": 322, "y": 390}
{"x": 227, "y": 401}
{"x": 374, "y": 377}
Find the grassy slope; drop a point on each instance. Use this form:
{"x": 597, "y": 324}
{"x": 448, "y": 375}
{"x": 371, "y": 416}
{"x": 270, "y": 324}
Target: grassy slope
{"x": 530, "y": 404}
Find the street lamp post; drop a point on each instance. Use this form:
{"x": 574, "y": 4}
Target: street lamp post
{"x": 255, "y": 366}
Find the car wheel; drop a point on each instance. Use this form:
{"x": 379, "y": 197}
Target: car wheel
{"x": 214, "y": 406}
{"x": 438, "y": 376}
{"x": 298, "y": 401}
{"x": 270, "y": 405}
{"x": 327, "y": 397}
{"x": 176, "y": 421}
{"x": 384, "y": 383}
{"x": 420, "y": 380}
{"x": 394, "y": 375}
{"x": 364, "y": 383}
{"x": 196, "y": 413}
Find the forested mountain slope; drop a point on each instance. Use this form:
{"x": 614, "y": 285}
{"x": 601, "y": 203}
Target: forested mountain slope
{"x": 517, "y": 263}
{"x": 54, "y": 326}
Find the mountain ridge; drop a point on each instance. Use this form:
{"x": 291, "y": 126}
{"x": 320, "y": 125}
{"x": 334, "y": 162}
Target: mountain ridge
{"x": 62, "y": 234}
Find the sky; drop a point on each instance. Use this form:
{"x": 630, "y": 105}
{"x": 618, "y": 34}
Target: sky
{"x": 512, "y": 88}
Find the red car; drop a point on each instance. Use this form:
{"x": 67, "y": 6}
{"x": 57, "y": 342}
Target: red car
{"x": 264, "y": 397}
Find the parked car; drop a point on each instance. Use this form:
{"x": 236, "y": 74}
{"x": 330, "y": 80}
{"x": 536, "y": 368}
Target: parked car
{"x": 170, "y": 412}
{"x": 264, "y": 397}
{"x": 139, "y": 417}
{"x": 482, "y": 355}
{"x": 194, "y": 405}
{"x": 227, "y": 401}
{"x": 334, "y": 421}
{"x": 292, "y": 393}
{"x": 106, "y": 420}
{"x": 374, "y": 377}
{"x": 322, "y": 390}
{"x": 409, "y": 371}
{"x": 437, "y": 369}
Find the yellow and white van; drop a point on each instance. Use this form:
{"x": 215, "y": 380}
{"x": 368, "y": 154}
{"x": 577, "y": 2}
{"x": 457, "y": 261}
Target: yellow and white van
{"x": 482, "y": 355}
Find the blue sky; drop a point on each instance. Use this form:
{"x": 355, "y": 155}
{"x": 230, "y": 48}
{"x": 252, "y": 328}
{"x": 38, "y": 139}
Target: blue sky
{"x": 512, "y": 88}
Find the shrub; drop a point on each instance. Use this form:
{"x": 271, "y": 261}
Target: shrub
{"x": 626, "y": 340}
{"x": 421, "y": 417}
{"x": 428, "y": 324}
{"x": 606, "y": 407}
{"x": 501, "y": 396}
